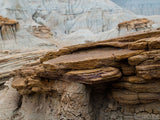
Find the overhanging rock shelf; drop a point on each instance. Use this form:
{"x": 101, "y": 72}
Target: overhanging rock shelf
{"x": 128, "y": 68}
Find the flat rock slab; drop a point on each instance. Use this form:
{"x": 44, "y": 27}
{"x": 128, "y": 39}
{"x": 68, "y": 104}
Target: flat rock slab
{"x": 90, "y": 59}
{"x": 94, "y": 76}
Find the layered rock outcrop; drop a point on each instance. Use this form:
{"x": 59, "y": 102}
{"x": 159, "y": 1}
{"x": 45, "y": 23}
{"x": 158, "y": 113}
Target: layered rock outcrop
{"x": 116, "y": 79}
{"x": 8, "y": 28}
{"x": 135, "y": 24}
{"x": 42, "y": 32}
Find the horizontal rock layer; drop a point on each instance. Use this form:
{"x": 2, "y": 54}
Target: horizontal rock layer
{"x": 94, "y": 76}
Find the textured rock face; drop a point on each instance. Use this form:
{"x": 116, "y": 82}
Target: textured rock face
{"x": 94, "y": 76}
{"x": 8, "y": 28}
{"x": 69, "y": 101}
{"x": 12, "y": 61}
{"x": 108, "y": 80}
{"x": 135, "y": 24}
{"x": 42, "y": 32}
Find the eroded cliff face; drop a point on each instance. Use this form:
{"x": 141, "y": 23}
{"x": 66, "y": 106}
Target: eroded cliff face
{"x": 117, "y": 79}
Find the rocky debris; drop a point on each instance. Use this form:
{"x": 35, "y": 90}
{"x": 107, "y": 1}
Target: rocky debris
{"x": 124, "y": 80}
{"x": 42, "y": 32}
{"x": 8, "y": 28}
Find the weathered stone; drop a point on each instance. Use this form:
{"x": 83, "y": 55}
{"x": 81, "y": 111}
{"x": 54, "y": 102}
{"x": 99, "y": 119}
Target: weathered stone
{"x": 15, "y": 61}
{"x": 154, "y": 43}
{"x": 134, "y": 79}
{"x": 149, "y": 71}
{"x": 128, "y": 97}
{"x": 42, "y": 32}
{"x": 146, "y": 58}
{"x": 90, "y": 59}
{"x": 114, "y": 80}
{"x": 125, "y": 97}
{"x": 121, "y": 42}
{"x": 135, "y": 60}
{"x": 8, "y": 28}
{"x": 138, "y": 45}
{"x": 94, "y": 76}
{"x": 127, "y": 69}
{"x": 19, "y": 83}
{"x": 145, "y": 44}
{"x": 148, "y": 87}
{"x": 28, "y": 86}
{"x": 58, "y": 105}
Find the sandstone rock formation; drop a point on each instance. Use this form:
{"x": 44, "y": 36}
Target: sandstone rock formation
{"x": 8, "y": 28}
{"x": 109, "y": 80}
{"x": 135, "y": 24}
{"x": 42, "y": 32}
{"x": 12, "y": 61}
{"x": 10, "y": 99}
